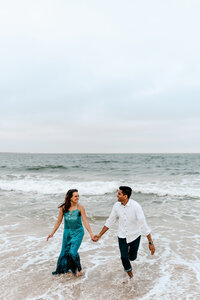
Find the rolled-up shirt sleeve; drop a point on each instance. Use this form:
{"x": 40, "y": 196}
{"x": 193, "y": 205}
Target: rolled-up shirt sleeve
{"x": 112, "y": 218}
{"x": 142, "y": 221}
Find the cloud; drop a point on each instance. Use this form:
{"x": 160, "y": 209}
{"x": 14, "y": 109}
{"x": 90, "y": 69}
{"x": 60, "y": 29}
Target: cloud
{"x": 104, "y": 72}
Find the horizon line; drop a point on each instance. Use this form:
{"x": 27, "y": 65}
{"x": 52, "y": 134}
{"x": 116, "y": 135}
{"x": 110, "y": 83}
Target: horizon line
{"x": 16, "y": 152}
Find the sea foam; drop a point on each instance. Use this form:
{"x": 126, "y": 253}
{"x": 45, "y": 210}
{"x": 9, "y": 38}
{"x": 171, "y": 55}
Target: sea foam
{"x": 44, "y": 186}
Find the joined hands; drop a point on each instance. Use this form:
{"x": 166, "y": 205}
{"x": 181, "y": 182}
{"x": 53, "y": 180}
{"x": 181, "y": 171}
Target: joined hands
{"x": 95, "y": 238}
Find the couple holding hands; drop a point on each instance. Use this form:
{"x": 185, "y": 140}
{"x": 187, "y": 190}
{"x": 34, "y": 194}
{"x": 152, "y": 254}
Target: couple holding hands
{"x": 131, "y": 224}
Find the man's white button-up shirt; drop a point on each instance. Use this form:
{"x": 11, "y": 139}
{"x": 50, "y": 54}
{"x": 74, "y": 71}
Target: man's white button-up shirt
{"x": 132, "y": 221}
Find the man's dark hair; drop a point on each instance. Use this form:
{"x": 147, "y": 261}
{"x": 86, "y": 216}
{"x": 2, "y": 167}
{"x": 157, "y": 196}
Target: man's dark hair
{"x": 126, "y": 190}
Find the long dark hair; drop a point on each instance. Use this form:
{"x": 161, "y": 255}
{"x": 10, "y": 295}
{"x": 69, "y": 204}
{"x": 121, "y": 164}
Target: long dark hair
{"x": 66, "y": 205}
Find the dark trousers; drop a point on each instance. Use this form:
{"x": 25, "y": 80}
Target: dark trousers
{"x": 128, "y": 252}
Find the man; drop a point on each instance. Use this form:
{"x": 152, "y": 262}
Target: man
{"x": 131, "y": 223}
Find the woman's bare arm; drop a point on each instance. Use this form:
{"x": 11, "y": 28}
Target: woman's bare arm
{"x": 85, "y": 221}
{"x": 58, "y": 222}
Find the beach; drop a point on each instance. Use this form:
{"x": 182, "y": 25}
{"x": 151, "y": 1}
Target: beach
{"x": 32, "y": 186}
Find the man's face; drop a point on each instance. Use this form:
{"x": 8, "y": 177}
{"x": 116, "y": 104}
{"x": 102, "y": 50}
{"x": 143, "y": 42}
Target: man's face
{"x": 121, "y": 197}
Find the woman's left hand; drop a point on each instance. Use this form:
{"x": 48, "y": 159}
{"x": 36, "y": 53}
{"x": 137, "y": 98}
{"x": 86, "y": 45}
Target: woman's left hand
{"x": 91, "y": 236}
{"x": 95, "y": 238}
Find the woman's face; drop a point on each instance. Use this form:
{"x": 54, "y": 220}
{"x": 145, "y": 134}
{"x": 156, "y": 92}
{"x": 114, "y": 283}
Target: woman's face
{"x": 75, "y": 198}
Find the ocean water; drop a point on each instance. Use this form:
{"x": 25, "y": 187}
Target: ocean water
{"x": 33, "y": 185}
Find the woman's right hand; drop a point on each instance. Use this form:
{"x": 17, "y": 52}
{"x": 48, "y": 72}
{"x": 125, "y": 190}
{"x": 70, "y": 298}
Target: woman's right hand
{"x": 49, "y": 236}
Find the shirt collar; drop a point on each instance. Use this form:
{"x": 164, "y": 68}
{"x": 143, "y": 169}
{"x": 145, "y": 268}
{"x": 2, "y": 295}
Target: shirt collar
{"x": 127, "y": 204}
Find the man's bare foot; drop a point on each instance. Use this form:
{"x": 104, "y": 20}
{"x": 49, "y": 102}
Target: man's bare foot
{"x": 79, "y": 273}
{"x": 130, "y": 274}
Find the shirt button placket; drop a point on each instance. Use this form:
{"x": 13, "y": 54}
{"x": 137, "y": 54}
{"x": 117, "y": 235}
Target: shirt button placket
{"x": 125, "y": 221}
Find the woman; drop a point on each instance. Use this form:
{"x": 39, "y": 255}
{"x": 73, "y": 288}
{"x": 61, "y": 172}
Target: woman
{"x": 73, "y": 233}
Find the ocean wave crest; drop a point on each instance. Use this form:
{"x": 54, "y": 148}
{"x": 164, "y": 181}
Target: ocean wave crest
{"x": 47, "y": 186}
{"x": 38, "y": 168}
{"x": 59, "y": 186}
{"x": 172, "y": 190}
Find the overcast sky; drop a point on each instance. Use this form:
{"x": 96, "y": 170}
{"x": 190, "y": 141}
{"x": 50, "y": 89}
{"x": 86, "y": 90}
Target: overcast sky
{"x": 99, "y": 76}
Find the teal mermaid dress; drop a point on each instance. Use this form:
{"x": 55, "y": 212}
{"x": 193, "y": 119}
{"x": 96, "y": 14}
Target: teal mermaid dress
{"x": 69, "y": 258}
